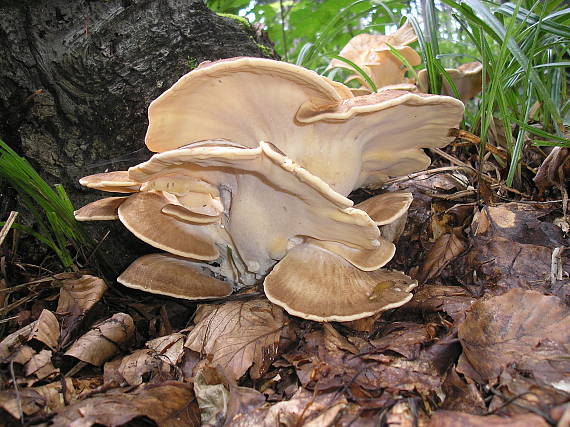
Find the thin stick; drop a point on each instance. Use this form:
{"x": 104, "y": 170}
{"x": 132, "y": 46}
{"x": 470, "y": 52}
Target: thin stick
{"x": 7, "y": 226}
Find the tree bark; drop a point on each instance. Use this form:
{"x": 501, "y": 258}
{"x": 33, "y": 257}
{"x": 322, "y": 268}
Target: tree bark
{"x": 76, "y": 78}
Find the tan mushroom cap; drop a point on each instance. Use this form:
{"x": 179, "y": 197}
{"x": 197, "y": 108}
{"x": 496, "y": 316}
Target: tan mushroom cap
{"x": 170, "y": 275}
{"x": 318, "y": 285}
{"x": 386, "y": 208}
{"x": 115, "y": 182}
{"x": 371, "y": 52}
{"x": 214, "y": 101}
{"x": 393, "y": 127}
{"x": 468, "y": 79}
{"x": 100, "y": 210}
{"x": 364, "y": 259}
{"x": 183, "y": 214}
{"x": 248, "y": 100}
{"x": 273, "y": 201}
{"x": 142, "y": 214}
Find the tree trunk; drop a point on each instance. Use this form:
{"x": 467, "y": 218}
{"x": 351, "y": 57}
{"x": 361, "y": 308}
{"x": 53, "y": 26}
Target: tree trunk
{"x": 76, "y": 78}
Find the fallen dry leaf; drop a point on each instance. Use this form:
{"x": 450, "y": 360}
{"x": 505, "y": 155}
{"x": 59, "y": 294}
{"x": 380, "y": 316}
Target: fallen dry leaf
{"x": 79, "y": 295}
{"x": 517, "y": 393}
{"x": 46, "y": 329}
{"x": 137, "y": 364}
{"x": 553, "y": 169}
{"x": 239, "y": 334}
{"x": 103, "y": 340}
{"x": 455, "y": 419}
{"x": 518, "y": 222}
{"x": 76, "y": 297}
{"x": 211, "y": 388}
{"x": 462, "y": 396}
{"x": 29, "y": 400}
{"x": 501, "y": 264}
{"x": 40, "y": 365}
{"x": 452, "y": 300}
{"x": 11, "y": 345}
{"x": 170, "y": 346}
{"x": 405, "y": 338}
{"x": 445, "y": 249}
{"x": 302, "y": 409}
{"x": 524, "y": 328}
{"x": 168, "y": 404}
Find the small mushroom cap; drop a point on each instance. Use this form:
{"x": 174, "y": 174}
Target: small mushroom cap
{"x": 100, "y": 210}
{"x": 372, "y": 53}
{"x": 183, "y": 214}
{"x": 319, "y": 126}
{"x": 364, "y": 259}
{"x": 142, "y": 214}
{"x": 468, "y": 79}
{"x": 115, "y": 182}
{"x": 388, "y": 207}
{"x": 318, "y": 285}
{"x": 174, "y": 276}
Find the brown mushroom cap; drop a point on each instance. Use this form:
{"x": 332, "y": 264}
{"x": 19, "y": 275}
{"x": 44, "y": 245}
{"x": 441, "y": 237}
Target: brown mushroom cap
{"x": 273, "y": 201}
{"x": 318, "y": 126}
{"x": 386, "y": 208}
{"x": 100, "y": 210}
{"x": 174, "y": 276}
{"x": 318, "y": 285}
{"x": 142, "y": 214}
{"x": 115, "y": 182}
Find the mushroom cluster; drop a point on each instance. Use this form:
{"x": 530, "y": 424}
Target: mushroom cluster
{"x": 254, "y": 161}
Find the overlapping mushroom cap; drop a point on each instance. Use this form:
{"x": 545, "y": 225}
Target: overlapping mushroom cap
{"x": 371, "y": 52}
{"x": 347, "y": 141}
{"x": 269, "y": 206}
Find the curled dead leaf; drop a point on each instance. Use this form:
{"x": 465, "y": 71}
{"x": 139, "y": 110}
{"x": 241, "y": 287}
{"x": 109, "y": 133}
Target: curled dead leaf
{"x": 445, "y": 249}
{"x": 103, "y": 341}
{"x": 79, "y": 295}
{"x": 239, "y": 334}
{"x": 46, "y": 329}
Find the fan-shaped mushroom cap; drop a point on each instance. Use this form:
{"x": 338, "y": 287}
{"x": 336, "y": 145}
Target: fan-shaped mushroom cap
{"x": 372, "y": 53}
{"x": 388, "y": 207}
{"x": 142, "y": 214}
{"x": 274, "y": 201}
{"x": 100, "y": 210}
{"x": 115, "y": 182}
{"x": 316, "y": 284}
{"x": 468, "y": 79}
{"x": 170, "y": 275}
{"x": 300, "y": 112}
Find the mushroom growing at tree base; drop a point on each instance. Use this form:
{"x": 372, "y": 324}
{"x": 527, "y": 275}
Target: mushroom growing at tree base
{"x": 231, "y": 213}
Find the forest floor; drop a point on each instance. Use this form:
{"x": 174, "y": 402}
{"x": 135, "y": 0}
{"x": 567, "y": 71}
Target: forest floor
{"x": 485, "y": 341}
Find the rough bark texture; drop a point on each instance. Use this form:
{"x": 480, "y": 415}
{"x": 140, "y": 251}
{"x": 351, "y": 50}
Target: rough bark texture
{"x": 76, "y": 78}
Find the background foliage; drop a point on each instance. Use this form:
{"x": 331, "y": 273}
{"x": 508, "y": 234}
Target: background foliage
{"x": 524, "y": 47}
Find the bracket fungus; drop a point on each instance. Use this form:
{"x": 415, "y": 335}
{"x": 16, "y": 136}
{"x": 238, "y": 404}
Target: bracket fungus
{"x": 261, "y": 197}
{"x": 347, "y": 141}
{"x": 372, "y": 53}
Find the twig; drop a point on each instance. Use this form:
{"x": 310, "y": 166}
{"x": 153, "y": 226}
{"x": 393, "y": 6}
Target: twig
{"x": 556, "y": 265}
{"x": 429, "y": 172}
{"x": 7, "y": 226}
{"x": 17, "y": 390}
